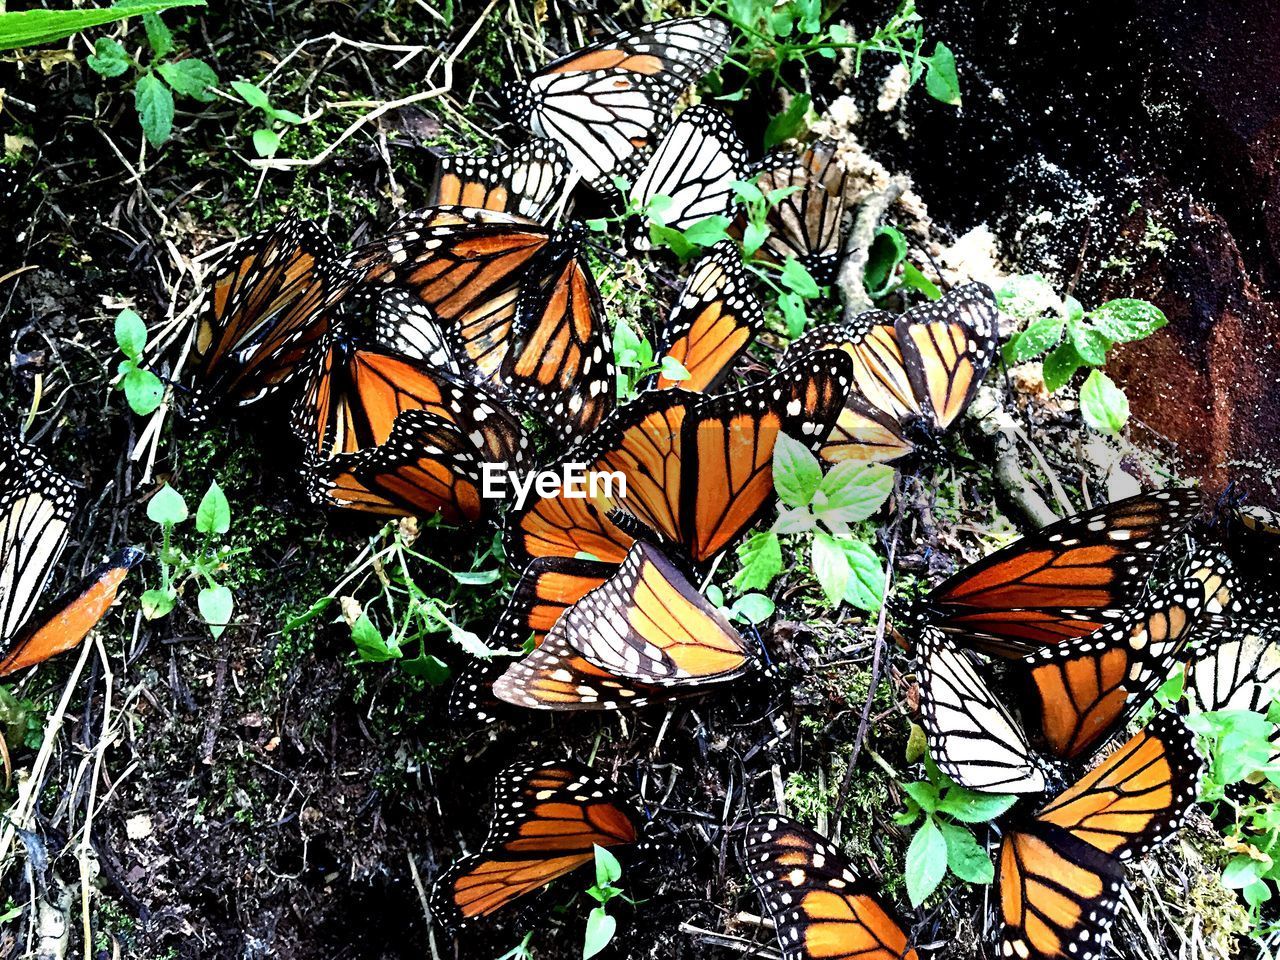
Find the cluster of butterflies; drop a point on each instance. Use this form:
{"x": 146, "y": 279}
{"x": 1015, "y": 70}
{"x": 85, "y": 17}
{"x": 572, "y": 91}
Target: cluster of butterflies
{"x": 1072, "y": 606}
{"x": 414, "y": 357}
{"x": 37, "y": 506}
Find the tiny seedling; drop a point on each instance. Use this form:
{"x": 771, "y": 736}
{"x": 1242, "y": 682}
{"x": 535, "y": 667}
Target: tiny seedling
{"x": 600, "y": 925}
{"x": 944, "y": 841}
{"x": 829, "y": 509}
{"x": 157, "y": 82}
{"x": 266, "y": 138}
{"x": 633, "y": 356}
{"x": 202, "y": 565}
{"x": 522, "y": 950}
{"x": 142, "y": 388}
{"x": 1069, "y": 339}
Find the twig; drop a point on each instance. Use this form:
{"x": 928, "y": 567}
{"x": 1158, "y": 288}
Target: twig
{"x": 729, "y": 942}
{"x": 444, "y": 87}
{"x": 857, "y": 248}
{"x": 1015, "y": 485}
{"x": 877, "y": 658}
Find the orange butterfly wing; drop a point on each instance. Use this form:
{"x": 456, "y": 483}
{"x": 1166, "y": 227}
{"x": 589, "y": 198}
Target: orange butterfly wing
{"x": 74, "y": 616}
{"x": 821, "y": 909}
{"x": 548, "y": 819}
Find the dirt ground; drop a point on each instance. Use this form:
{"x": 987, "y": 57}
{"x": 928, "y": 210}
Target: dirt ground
{"x": 265, "y": 794}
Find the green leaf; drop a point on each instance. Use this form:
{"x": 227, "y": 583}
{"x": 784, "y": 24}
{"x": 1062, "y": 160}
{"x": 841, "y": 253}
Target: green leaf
{"x": 673, "y": 369}
{"x": 747, "y": 192}
{"x": 167, "y": 507}
{"x": 1103, "y": 404}
{"x": 143, "y": 390}
{"x": 191, "y": 77}
{"x": 159, "y": 37}
{"x": 854, "y": 491}
{"x": 753, "y": 237}
{"x": 926, "y": 862}
{"x": 789, "y": 123}
{"x": 1126, "y": 320}
{"x": 1090, "y": 344}
{"x": 157, "y": 604}
{"x": 608, "y": 870}
{"x": 761, "y": 558}
{"x": 1241, "y": 871}
{"x": 369, "y": 642}
{"x": 30, "y": 28}
{"x": 940, "y": 77}
{"x": 108, "y": 58}
{"x": 888, "y": 250}
{"x": 215, "y": 605}
{"x": 1060, "y": 366}
{"x": 131, "y": 334}
{"x": 970, "y": 806}
{"x": 865, "y": 588}
{"x": 796, "y": 471}
{"x": 214, "y": 513}
{"x": 673, "y": 240}
{"x": 313, "y": 611}
{"x": 266, "y": 142}
{"x": 913, "y": 279}
{"x": 799, "y": 280}
{"x": 154, "y": 104}
{"x": 793, "y": 312}
{"x": 965, "y": 855}
{"x": 286, "y": 116}
{"x": 600, "y": 930}
{"x": 831, "y": 567}
{"x": 707, "y": 232}
{"x": 755, "y": 608}
{"x": 251, "y": 94}
{"x": 1039, "y": 337}
{"x": 925, "y": 795}
{"x": 430, "y": 668}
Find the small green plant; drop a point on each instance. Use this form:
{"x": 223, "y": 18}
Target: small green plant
{"x": 155, "y": 84}
{"x": 828, "y": 509}
{"x": 405, "y": 617}
{"x": 633, "y": 356}
{"x": 142, "y": 388}
{"x": 772, "y": 35}
{"x": 888, "y": 269}
{"x": 30, "y": 28}
{"x": 1069, "y": 338}
{"x": 1240, "y": 748}
{"x": 202, "y": 565}
{"x": 266, "y": 138}
{"x": 943, "y": 840}
{"x": 22, "y": 720}
{"x": 600, "y": 925}
{"x": 521, "y": 951}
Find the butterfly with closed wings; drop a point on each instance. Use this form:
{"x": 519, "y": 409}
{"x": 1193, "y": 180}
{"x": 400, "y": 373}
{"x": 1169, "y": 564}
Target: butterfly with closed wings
{"x": 915, "y": 374}
{"x": 527, "y": 180}
{"x": 548, "y": 819}
{"x": 608, "y": 102}
{"x": 821, "y": 909}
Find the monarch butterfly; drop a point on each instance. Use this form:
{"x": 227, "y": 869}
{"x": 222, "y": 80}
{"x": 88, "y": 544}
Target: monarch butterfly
{"x": 548, "y": 587}
{"x": 1088, "y": 687}
{"x": 694, "y": 169}
{"x": 355, "y": 395}
{"x": 269, "y": 303}
{"x": 527, "y": 180}
{"x": 915, "y": 374}
{"x": 36, "y": 507}
{"x": 69, "y": 618}
{"x": 399, "y": 321}
{"x": 1239, "y": 668}
{"x": 822, "y": 910}
{"x": 1061, "y": 873}
{"x": 972, "y": 737}
{"x": 1063, "y": 581}
{"x": 548, "y": 819}
{"x": 645, "y": 633}
{"x": 807, "y": 220}
{"x": 712, "y": 322}
{"x": 517, "y": 297}
{"x": 698, "y": 470}
{"x": 605, "y": 102}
